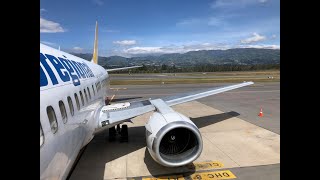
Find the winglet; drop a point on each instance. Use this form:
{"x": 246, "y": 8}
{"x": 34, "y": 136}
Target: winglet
{"x": 95, "y": 49}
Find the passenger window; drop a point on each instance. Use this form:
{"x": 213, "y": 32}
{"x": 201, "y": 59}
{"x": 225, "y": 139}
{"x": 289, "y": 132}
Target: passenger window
{"x": 70, "y": 106}
{"x": 41, "y": 136}
{"x": 77, "y": 101}
{"x": 85, "y": 94}
{"x": 52, "y": 119}
{"x": 89, "y": 92}
{"x": 81, "y": 96}
{"x": 94, "y": 93}
{"x": 103, "y": 83}
{"x": 63, "y": 112}
{"x": 98, "y": 86}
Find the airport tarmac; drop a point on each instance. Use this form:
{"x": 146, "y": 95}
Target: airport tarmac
{"x": 247, "y": 101}
{"x": 241, "y": 143}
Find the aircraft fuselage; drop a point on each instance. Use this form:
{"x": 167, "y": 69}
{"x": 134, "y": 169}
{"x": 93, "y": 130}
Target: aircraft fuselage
{"x": 71, "y": 89}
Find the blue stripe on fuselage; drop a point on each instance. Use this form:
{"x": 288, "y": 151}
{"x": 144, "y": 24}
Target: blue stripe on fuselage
{"x": 68, "y": 70}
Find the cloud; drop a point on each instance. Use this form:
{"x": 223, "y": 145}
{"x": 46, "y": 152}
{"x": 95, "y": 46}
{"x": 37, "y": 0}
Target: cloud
{"x": 47, "y": 26}
{"x": 173, "y": 49}
{"x": 204, "y": 46}
{"x": 273, "y": 36}
{"x": 255, "y": 38}
{"x": 98, "y": 2}
{"x": 223, "y": 3}
{"x": 42, "y": 10}
{"x": 110, "y": 30}
{"x": 212, "y": 21}
{"x": 261, "y": 46}
{"x": 143, "y": 50}
{"x": 125, "y": 42}
{"x": 192, "y": 21}
{"x": 49, "y": 43}
{"x": 77, "y": 49}
{"x": 263, "y": 1}
{"x": 234, "y": 3}
{"x": 158, "y": 50}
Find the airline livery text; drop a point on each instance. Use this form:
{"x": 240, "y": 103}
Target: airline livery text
{"x": 67, "y": 70}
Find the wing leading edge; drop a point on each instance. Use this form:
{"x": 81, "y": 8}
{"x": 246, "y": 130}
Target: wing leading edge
{"x": 109, "y": 118}
{"x": 123, "y": 68}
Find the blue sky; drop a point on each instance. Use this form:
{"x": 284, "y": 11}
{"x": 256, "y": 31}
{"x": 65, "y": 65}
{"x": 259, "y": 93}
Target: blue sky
{"x": 139, "y": 27}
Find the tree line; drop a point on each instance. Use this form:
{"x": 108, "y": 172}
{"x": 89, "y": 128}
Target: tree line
{"x": 198, "y": 68}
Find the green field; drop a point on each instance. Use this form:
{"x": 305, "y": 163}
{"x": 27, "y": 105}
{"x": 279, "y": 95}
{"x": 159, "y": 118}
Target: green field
{"x": 192, "y": 78}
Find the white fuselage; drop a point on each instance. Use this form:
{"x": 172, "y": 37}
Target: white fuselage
{"x": 73, "y": 83}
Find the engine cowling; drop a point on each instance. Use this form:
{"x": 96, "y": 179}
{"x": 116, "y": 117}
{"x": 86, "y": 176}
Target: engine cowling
{"x": 173, "y": 139}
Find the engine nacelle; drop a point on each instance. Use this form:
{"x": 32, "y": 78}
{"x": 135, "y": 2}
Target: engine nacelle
{"x": 173, "y": 139}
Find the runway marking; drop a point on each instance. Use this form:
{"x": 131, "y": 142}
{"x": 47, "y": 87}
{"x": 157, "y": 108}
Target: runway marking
{"x": 117, "y": 88}
{"x": 112, "y": 97}
{"x": 205, "y": 165}
{"x": 226, "y": 174}
{"x": 172, "y": 177}
{"x": 213, "y": 175}
{"x": 200, "y": 166}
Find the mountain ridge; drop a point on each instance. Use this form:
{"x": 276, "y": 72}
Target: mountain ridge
{"x": 236, "y": 56}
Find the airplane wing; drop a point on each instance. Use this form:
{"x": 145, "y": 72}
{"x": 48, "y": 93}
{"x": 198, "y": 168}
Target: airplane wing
{"x": 186, "y": 97}
{"x": 124, "y": 68}
{"x": 109, "y": 117}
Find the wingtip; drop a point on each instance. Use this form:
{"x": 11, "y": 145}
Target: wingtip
{"x": 248, "y": 82}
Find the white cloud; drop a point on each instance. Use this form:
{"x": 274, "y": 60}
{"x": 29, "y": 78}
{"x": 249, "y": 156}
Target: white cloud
{"x": 42, "y": 10}
{"x": 77, "y": 48}
{"x": 143, "y": 50}
{"x": 98, "y": 2}
{"x": 213, "y": 21}
{"x": 191, "y": 21}
{"x": 273, "y": 36}
{"x": 255, "y": 38}
{"x": 204, "y": 46}
{"x": 263, "y": 1}
{"x": 47, "y": 26}
{"x": 158, "y": 50}
{"x": 49, "y": 43}
{"x": 234, "y": 3}
{"x": 261, "y": 46}
{"x": 111, "y": 31}
{"x": 125, "y": 42}
{"x": 173, "y": 49}
{"x": 223, "y": 3}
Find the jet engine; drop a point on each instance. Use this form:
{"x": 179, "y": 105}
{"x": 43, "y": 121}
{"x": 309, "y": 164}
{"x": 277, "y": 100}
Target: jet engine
{"x": 173, "y": 139}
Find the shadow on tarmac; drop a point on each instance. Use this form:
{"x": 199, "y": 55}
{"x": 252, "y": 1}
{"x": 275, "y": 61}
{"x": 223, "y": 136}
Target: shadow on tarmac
{"x": 98, "y": 154}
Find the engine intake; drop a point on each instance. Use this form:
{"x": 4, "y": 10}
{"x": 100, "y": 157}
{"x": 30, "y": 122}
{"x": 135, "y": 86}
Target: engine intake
{"x": 173, "y": 139}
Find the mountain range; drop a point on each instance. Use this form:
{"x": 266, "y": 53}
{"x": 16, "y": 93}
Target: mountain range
{"x": 238, "y": 56}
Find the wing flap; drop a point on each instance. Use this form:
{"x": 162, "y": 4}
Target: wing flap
{"x": 110, "y": 118}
